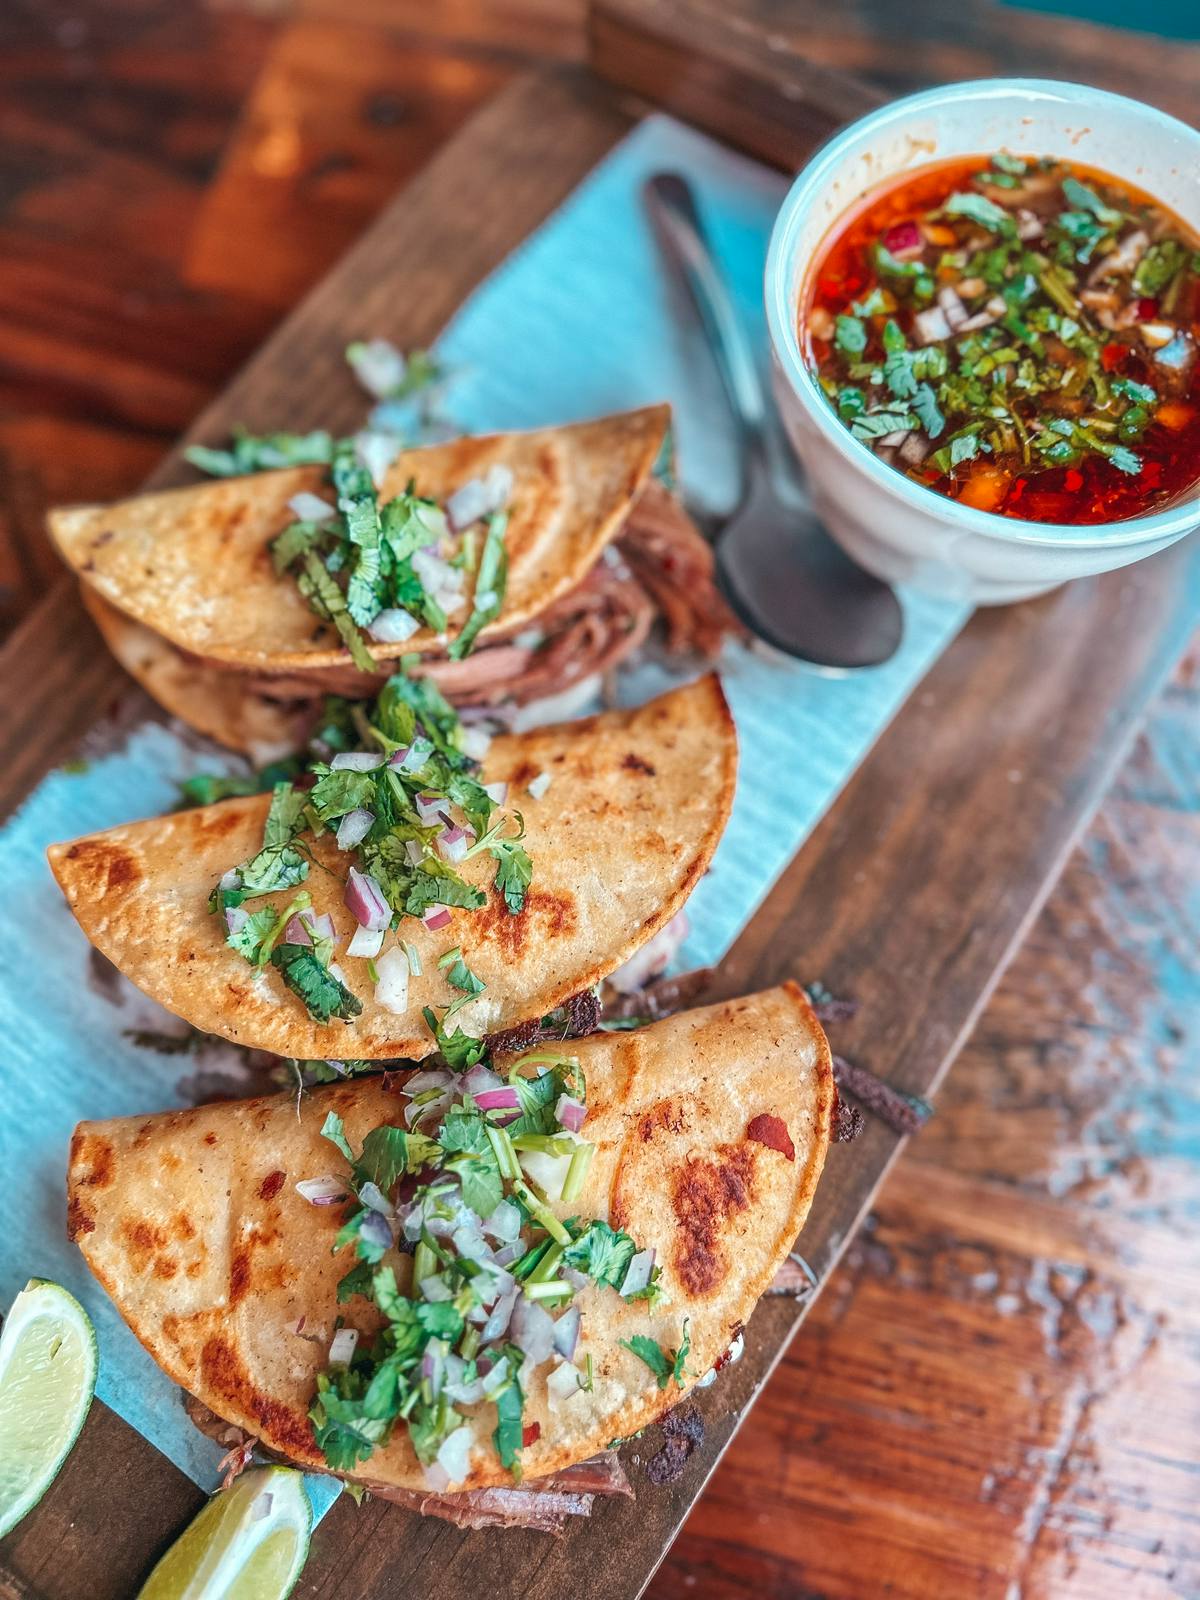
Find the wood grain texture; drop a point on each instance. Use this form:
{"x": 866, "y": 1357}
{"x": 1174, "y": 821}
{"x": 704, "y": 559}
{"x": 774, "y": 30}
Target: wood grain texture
{"x": 914, "y": 1377}
{"x": 777, "y": 76}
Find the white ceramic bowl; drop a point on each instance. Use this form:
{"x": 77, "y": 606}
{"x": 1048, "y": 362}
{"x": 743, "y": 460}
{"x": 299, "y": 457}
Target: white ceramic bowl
{"x": 893, "y": 526}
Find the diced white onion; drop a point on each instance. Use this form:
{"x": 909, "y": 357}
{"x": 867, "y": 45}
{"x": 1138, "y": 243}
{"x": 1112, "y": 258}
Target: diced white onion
{"x": 354, "y": 828}
{"x": 931, "y": 325}
{"x": 322, "y": 1191}
{"x": 547, "y": 1171}
{"x": 540, "y": 784}
{"x": 475, "y": 743}
{"x": 357, "y": 761}
{"x": 497, "y": 792}
{"x": 342, "y": 1346}
{"x": 532, "y": 1330}
{"x": 562, "y": 1383}
{"x": 366, "y": 943}
{"x": 378, "y": 365}
{"x": 454, "y": 1454}
{"x": 376, "y": 450}
{"x": 393, "y": 626}
{"x": 391, "y": 992}
{"x": 311, "y": 508}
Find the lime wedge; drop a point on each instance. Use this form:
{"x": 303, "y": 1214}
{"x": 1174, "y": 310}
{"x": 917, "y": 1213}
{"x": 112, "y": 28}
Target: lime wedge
{"x": 249, "y": 1543}
{"x": 47, "y": 1375}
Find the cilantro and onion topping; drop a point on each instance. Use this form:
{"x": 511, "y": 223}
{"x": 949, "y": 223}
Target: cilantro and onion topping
{"x": 1018, "y": 336}
{"x": 458, "y": 1244}
{"x": 398, "y": 784}
{"x": 380, "y": 569}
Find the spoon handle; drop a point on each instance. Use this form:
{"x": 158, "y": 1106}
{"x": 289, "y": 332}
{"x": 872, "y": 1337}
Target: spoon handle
{"x": 672, "y": 207}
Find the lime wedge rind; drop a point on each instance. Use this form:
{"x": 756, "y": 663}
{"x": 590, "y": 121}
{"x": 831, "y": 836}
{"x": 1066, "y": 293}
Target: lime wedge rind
{"x": 48, "y": 1364}
{"x": 249, "y": 1542}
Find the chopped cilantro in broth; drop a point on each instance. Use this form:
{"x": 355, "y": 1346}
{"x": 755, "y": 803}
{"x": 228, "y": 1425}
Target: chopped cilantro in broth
{"x": 455, "y": 1243}
{"x": 1019, "y": 335}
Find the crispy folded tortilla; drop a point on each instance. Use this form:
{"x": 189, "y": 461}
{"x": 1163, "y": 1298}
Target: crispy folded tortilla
{"x": 192, "y": 1222}
{"x": 193, "y": 564}
{"x": 223, "y": 705}
{"x": 636, "y": 805}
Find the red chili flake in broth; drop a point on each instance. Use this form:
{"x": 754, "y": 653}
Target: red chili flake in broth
{"x": 531, "y": 1434}
{"x": 1147, "y": 309}
{"x": 771, "y": 1131}
{"x": 1112, "y": 356}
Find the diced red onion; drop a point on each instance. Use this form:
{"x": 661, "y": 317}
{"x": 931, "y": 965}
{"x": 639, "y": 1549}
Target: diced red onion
{"x": 532, "y": 1330}
{"x": 470, "y": 1243}
{"x": 570, "y": 1113}
{"x": 354, "y": 827}
{"x": 393, "y": 625}
{"x": 637, "y": 1274}
{"x": 366, "y": 943}
{"x": 432, "y": 1079}
{"x": 453, "y": 843}
{"x": 377, "y": 1230}
{"x": 480, "y": 1078}
{"x": 566, "y": 1333}
{"x": 577, "y": 1279}
{"x": 479, "y": 497}
{"x": 913, "y": 448}
{"x": 497, "y": 791}
{"x": 505, "y": 1099}
{"x": 493, "y": 1376}
{"x": 509, "y": 1253}
{"x": 429, "y": 808}
{"x": 366, "y": 901}
{"x": 308, "y": 507}
{"x": 236, "y": 918}
{"x": 341, "y": 1348}
{"x": 411, "y": 758}
{"x": 436, "y": 917}
{"x": 454, "y": 1454}
{"x": 904, "y": 240}
{"x": 435, "y": 1288}
{"x": 296, "y": 932}
{"x": 357, "y": 761}
{"x": 230, "y": 880}
{"x": 320, "y": 927}
{"x": 499, "y": 1318}
{"x": 391, "y": 990}
{"x": 323, "y": 1191}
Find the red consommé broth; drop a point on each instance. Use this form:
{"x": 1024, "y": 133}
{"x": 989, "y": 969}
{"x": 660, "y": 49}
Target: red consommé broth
{"x": 1091, "y": 491}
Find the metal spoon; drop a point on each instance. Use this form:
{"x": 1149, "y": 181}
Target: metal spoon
{"x": 782, "y": 573}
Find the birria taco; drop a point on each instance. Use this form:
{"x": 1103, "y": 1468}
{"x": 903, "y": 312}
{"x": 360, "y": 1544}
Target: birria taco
{"x": 445, "y": 1284}
{"x": 407, "y": 891}
{"x": 508, "y": 568}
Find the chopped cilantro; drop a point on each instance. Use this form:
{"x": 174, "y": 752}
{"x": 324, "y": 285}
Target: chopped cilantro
{"x": 324, "y": 995}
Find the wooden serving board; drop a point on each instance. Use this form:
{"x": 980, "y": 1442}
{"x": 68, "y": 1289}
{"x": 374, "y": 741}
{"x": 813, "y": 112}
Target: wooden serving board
{"x": 911, "y": 895}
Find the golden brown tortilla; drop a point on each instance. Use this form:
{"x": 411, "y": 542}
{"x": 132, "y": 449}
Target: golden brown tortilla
{"x": 221, "y": 704}
{"x": 636, "y": 805}
{"x": 193, "y": 565}
{"x": 192, "y": 1222}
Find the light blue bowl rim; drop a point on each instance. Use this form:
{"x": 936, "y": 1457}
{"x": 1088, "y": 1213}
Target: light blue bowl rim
{"x": 781, "y": 321}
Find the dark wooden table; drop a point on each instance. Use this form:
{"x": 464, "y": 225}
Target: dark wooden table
{"x": 997, "y": 1394}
